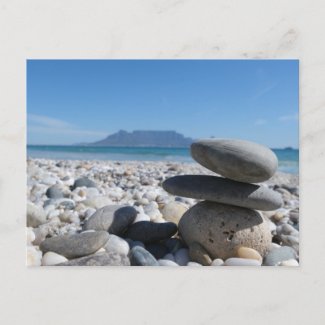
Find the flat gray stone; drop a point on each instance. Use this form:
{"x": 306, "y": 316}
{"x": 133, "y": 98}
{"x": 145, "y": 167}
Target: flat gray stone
{"x": 278, "y": 255}
{"x": 112, "y": 218}
{"x": 220, "y": 229}
{"x": 240, "y": 160}
{"x": 222, "y": 190}
{"x": 148, "y": 232}
{"x": 76, "y": 245}
{"x": 101, "y": 259}
{"x": 141, "y": 257}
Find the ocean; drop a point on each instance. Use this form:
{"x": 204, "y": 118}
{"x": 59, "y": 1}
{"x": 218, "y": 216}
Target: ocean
{"x": 288, "y": 158}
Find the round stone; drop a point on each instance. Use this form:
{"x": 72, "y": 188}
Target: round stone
{"x": 30, "y": 236}
{"x": 141, "y": 257}
{"x": 76, "y": 245}
{"x": 117, "y": 245}
{"x": 35, "y": 215}
{"x": 278, "y": 255}
{"x": 112, "y": 218}
{"x": 34, "y": 256}
{"x": 101, "y": 259}
{"x": 240, "y": 160}
{"x": 173, "y": 211}
{"x": 236, "y": 261}
{"x": 148, "y": 232}
{"x": 198, "y": 254}
{"x": 182, "y": 257}
{"x": 54, "y": 192}
{"x": 163, "y": 262}
{"x": 51, "y": 258}
{"x": 193, "y": 264}
{"x": 222, "y": 190}
{"x": 83, "y": 181}
{"x": 217, "y": 262}
{"x": 291, "y": 262}
{"x": 221, "y": 229}
{"x": 250, "y": 253}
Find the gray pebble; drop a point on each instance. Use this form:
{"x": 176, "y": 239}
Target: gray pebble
{"x": 277, "y": 255}
{"x": 113, "y": 218}
{"x": 101, "y": 259}
{"x": 141, "y": 257}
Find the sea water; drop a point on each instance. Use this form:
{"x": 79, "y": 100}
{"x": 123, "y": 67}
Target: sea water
{"x": 288, "y": 158}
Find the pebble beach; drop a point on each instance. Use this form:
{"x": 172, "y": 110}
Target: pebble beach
{"x": 67, "y": 199}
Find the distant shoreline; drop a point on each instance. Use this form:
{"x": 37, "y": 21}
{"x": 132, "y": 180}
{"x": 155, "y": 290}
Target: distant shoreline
{"x": 288, "y": 158}
{"x": 119, "y": 146}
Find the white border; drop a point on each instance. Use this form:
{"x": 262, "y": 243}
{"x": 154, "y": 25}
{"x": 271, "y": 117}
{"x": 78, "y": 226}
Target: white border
{"x": 161, "y": 29}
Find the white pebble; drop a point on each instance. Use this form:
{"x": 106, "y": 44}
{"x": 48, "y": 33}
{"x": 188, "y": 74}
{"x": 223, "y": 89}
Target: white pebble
{"x": 51, "y": 258}
{"x": 193, "y": 264}
{"x": 217, "y": 262}
{"x": 169, "y": 257}
{"x": 117, "y": 245}
{"x": 291, "y": 262}
{"x": 30, "y": 236}
{"x": 236, "y": 261}
{"x": 164, "y": 262}
{"x": 34, "y": 256}
{"x": 141, "y": 217}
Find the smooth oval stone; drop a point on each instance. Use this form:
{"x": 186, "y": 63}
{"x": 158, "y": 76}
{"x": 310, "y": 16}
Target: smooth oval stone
{"x": 157, "y": 250}
{"x": 169, "y": 257}
{"x": 51, "y": 258}
{"x": 117, "y": 245}
{"x": 236, "y": 261}
{"x": 182, "y": 257}
{"x": 278, "y": 255}
{"x": 173, "y": 211}
{"x": 148, "y": 232}
{"x": 217, "y": 262}
{"x": 35, "y": 215}
{"x": 76, "y": 245}
{"x": 222, "y": 190}
{"x": 198, "y": 254}
{"x": 141, "y": 257}
{"x": 112, "y": 218}
{"x": 163, "y": 262}
{"x": 250, "y": 253}
{"x": 54, "y": 192}
{"x": 83, "y": 181}
{"x": 102, "y": 259}
{"x": 221, "y": 229}
{"x": 240, "y": 160}
{"x": 291, "y": 262}
{"x": 193, "y": 264}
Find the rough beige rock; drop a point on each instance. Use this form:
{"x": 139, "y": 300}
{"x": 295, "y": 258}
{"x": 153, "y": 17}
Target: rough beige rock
{"x": 221, "y": 229}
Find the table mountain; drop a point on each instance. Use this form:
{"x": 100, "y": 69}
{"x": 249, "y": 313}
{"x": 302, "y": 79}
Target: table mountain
{"x": 145, "y": 139}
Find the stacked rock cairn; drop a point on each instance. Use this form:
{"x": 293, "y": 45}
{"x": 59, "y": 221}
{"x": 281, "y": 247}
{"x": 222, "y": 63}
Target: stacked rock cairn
{"x": 227, "y": 224}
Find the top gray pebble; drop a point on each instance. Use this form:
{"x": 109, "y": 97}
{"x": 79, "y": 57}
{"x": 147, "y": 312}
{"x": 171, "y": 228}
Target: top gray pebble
{"x": 239, "y": 160}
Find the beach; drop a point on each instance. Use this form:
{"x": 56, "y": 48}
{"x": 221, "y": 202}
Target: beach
{"x": 136, "y": 184}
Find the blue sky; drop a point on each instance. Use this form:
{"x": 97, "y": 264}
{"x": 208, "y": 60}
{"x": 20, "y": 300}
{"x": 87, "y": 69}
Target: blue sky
{"x": 71, "y": 101}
